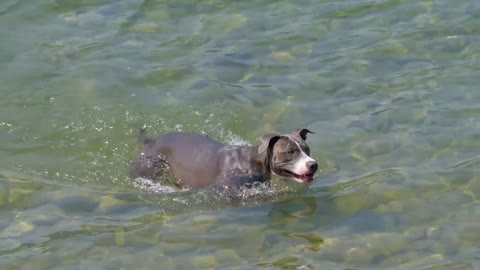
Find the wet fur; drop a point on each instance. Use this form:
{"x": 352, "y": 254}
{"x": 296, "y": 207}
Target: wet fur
{"x": 197, "y": 161}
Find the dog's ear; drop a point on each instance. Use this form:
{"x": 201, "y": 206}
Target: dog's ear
{"x": 267, "y": 140}
{"x": 302, "y": 133}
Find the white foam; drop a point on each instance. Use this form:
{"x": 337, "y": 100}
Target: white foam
{"x": 235, "y": 139}
{"x": 152, "y": 186}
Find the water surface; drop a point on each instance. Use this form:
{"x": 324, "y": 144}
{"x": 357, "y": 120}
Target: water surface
{"x": 389, "y": 86}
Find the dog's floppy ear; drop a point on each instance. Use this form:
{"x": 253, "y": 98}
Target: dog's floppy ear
{"x": 267, "y": 140}
{"x": 302, "y": 133}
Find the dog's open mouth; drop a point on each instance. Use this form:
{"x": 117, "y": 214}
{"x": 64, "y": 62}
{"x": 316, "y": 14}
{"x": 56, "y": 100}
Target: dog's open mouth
{"x": 303, "y": 178}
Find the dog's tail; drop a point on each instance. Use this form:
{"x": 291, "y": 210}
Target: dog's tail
{"x": 142, "y": 136}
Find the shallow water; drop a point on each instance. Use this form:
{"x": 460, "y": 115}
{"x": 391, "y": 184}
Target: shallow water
{"x": 390, "y": 87}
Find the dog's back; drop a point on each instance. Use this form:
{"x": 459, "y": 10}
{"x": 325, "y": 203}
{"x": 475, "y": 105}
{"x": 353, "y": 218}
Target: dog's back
{"x": 192, "y": 158}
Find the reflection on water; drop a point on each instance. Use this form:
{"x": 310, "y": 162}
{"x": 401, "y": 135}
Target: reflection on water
{"x": 389, "y": 87}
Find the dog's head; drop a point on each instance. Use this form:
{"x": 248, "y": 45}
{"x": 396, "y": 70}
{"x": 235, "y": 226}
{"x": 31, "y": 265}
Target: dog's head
{"x": 289, "y": 155}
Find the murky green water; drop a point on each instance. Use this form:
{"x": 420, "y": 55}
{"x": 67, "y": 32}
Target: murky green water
{"x": 391, "y": 88}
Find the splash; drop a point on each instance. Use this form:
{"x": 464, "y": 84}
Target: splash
{"x": 99, "y": 145}
{"x": 152, "y": 186}
{"x": 234, "y": 139}
{"x": 173, "y": 200}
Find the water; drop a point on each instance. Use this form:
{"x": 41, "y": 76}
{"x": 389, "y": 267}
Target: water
{"x": 389, "y": 87}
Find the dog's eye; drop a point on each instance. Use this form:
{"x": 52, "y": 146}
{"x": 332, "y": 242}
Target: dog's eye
{"x": 291, "y": 152}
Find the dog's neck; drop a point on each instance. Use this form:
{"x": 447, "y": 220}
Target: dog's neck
{"x": 261, "y": 161}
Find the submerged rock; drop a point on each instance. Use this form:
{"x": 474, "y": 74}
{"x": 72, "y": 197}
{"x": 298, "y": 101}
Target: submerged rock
{"x": 403, "y": 258}
{"x": 42, "y": 261}
{"x": 224, "y": 23}
{"x": 362, "y": 256}
{"x": 203, "y": 261}
{"x": 333, "y": 249}
{"x": 18, "y": 228}
{"x": 352, "y": 203}
{"x": 228, "y": 256}
{"x": 283, "y": 56}
{"x": 473, "y": 188}
{"x": 77, "y": 203}
{"x": 387, "y": 244}
{"x": 107, "y": 203}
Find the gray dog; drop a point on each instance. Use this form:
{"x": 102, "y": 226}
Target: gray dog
{"x": 198, "y": 161}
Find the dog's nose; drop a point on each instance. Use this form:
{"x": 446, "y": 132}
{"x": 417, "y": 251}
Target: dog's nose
{"x": 312, "y": 166}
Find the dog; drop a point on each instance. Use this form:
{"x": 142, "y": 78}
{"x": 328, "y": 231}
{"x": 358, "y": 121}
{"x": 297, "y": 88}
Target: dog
{"x": 197, "y": 161}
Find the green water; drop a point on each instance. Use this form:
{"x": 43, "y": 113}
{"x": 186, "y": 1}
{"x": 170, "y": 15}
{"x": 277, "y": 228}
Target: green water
{"x": 389, "y": 86}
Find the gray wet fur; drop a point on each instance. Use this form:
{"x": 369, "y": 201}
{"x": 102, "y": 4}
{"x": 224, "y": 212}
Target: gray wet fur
{"x": 198, "y": 161}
